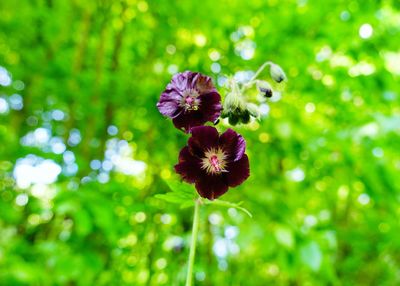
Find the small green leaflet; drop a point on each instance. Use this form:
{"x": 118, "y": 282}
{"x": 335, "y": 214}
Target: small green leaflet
{"x": 183, "y": 195}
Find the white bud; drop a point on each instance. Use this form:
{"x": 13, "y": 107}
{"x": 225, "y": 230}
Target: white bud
{"x": 264, "y": 88}
{"x": 233, "y": 101}
{"x": 253, "y": 110}
{"x": 277, "y": 73}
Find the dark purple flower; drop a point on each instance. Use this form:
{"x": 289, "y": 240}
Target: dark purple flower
{"x": 190, "y": 99}
{"x": 213, "y": 162}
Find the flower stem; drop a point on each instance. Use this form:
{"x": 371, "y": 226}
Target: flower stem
{"x": 260, "y": 69}
{"x": 267, "y": 63}
{"x": 195, "y": 231}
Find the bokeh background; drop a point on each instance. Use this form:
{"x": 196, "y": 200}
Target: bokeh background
{"x": 83, "y": 149}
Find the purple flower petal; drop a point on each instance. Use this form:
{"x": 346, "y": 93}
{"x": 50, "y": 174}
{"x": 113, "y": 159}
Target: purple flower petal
{"x": 204, "y": 84}
{"x": 189, "y": 166}
{"x": 185, "y": 121}
{"x": 185, "y": 155}
{"x": 238, "y": 171}
{"x": 233, "y": 144}
{"x": 182, "y": 81}
{"x": 211, "y": 105}
{"x": 211, "y": 187}
{"x": 169, "y": 104}
{"x": 203, "y": 138}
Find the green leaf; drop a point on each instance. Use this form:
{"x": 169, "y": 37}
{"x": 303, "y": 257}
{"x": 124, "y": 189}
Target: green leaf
{"x": 228, "y": 205}
{"x": 174, "y": 197}
{"x": 180, "y": 187}
{"x": 180, "y": 193}
{"x": 187, "y": 204}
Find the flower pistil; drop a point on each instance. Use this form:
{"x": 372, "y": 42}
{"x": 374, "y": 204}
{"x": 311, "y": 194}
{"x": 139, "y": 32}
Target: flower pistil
{"x": 190, "y": 99}
{"x": 214, "y": 161}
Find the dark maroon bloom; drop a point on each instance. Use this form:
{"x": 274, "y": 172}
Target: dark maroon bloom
{"x": 190, "y": 99}
{"x": 213, "y": 162}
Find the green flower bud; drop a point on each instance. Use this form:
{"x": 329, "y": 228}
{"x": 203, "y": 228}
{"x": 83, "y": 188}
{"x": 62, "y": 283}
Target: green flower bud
{"x": 245, "y": 117}
{"x": 233, "y": 101}
{"x": 235, "y": 106}
{"x": 233, "y": 119}
{"x": 224, "y": 114}
{"x": 277, "y": 73}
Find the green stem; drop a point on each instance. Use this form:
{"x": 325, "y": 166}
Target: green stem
{"x": 195, "y": 231}
{"x": 267, "y": 63}
{"x": 251, "y": 81}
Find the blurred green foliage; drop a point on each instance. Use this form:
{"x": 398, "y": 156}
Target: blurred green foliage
{"x": 84, "y": 150}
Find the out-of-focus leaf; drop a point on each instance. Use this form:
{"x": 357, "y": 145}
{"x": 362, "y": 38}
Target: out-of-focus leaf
{"x": 174, "y": 197}
{"x": 83, "y": 222}
{"x": 284, "y": 236}
{"x": 311, "y": 255}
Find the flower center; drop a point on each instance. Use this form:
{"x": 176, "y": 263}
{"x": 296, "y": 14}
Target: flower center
{"x": 214, "y": 161}
{"x": 190, "y": 99}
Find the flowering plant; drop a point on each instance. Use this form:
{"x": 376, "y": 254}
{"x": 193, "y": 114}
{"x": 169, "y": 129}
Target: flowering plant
{"x": 213, "y": 162}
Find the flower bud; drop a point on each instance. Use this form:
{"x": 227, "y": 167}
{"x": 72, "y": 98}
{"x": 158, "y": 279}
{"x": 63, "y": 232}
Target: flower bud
{"x": 233, "y": 119}
{"x": 264, "y": 88}
{"x": 233, "y": 101}
{"x": 245, "y": 117}
{"x": 277, "y": 73}
{"x": 236, "y": 107}
{"x": 253, "y": 110}
{"x": 224, "y": 114}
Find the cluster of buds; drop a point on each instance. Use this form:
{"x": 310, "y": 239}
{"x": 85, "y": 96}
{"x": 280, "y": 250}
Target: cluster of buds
{"x": 236, "y": 106}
